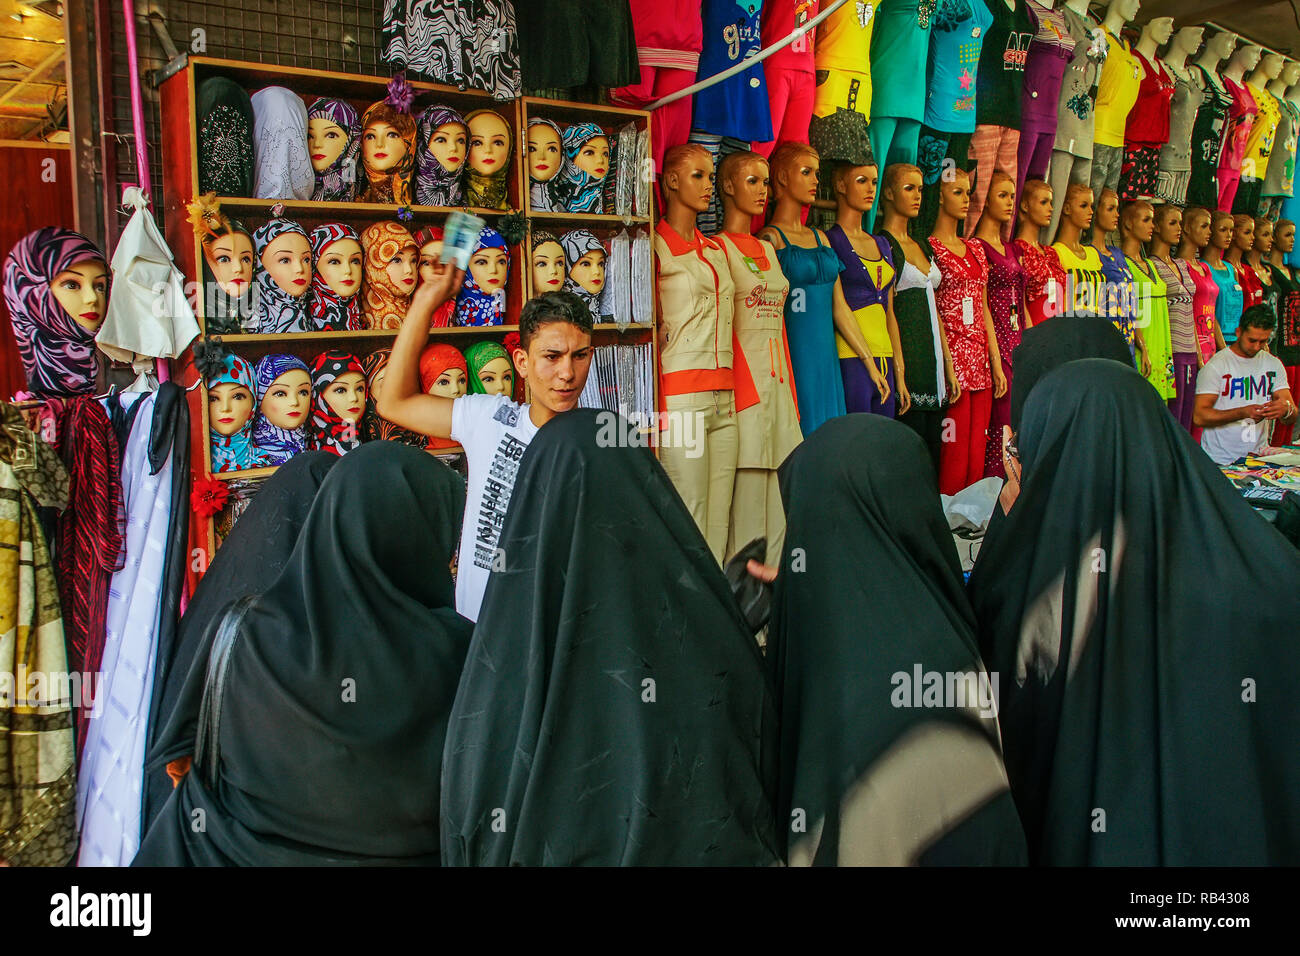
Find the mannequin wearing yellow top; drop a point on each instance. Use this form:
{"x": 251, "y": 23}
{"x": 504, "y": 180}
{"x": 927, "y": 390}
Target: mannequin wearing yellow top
{"x": 1117, "y": 91}
{"x": 698, "y": 438}
{"x": 1081, "y": 263}
{"x": 1262, "y": 142}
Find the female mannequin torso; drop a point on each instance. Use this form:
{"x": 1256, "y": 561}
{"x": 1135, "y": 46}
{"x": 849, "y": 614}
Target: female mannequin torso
{"x": 1195, "y": 238}
{"x": 1151, "y": 302}
{"x": 813, "y": 269}
{"x": 1044, "y": 277}
{"x": 1228, "y": 307}
{"x": 1118, "y": 299}
{"x": 932, "y": 382}
{"x": 1081, "y": 263}
{"x": 767, "y": 415}
{"x": 1180, "y": 296}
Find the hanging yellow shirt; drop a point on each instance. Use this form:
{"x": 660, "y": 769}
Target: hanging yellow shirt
{"x": 1121, "y": 77}
{"x": 1259, "y": 146}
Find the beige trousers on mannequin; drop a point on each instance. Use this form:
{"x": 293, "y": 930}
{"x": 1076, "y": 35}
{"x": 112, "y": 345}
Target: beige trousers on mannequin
{"x": 757, "y": 512}
{"x": 698, "y": 451}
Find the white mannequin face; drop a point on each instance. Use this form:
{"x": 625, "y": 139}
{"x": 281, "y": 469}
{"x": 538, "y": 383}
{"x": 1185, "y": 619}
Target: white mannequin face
{"x": 543, "y": 153}
{"x": 856, "y": 187}
{"x": 341, "y": 266}
{"x": 429, "y": 254}
{"x": 288, "y": 400}
{"x": 448, "y": 144}
{"x": 593, "y": 157}
{"x": 1161, "y": 29}
{"x": 799, "y": 178}
{"x": 230, "y": 257}
{"x": 450, "y": 383}
{"x": 1290, "y": 72}
{"x": 230, "y": 406}
{"x": 1284, "y": 239}
{"x": 1272, "y": 66}
{"x": 589, "y": 271}
{"x": 1107, "y": 214}
{"x": 1188, "y": 39}
{"x": 1079, "y": 209}
{"x": 346, "y": 396}
{"x": 382, "y": 147}
{"x": 288, "y": 260}
{"x": 1142, "y": 225}
{"x": 905, "y": 195}
{"x": 1169, "y": 226}
{"x": 489, "y": 144}
{"x": 1127, "y": 9}
{"x": 1247, "y": 57}
{"x": 954, "y": 196}
{"x": 548, "y": 267}
{"x": 690, "y": 182}
{"x": 747, "y": 188}
{"x": 497, "y": 377}
{"x": 82, "y": 290}
{"x": 326, "y": 141}
{"x": 401, "y": 269}
{"x": 1001, "y": 202}
{"x": 1221, "y": 46}
{"x": 1036, "y": 207}
{"x": 488, "y": 267}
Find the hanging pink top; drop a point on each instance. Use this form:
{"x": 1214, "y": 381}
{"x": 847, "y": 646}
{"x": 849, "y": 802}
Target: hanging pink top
{"x": 1241, "y": 117}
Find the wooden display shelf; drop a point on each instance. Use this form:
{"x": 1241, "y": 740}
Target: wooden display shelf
{"x": 238, "y": 338}
{"x": 596, "y": 219}
{"x": 177, "y": 87}
{"x": 269, "y": 470}
{"x": 318, "y": 209}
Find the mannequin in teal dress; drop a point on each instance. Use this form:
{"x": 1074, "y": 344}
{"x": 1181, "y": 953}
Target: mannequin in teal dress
{"x": 815, "y": 293}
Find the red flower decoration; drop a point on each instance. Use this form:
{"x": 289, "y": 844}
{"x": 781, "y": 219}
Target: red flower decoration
{"x": 208, "y": 496}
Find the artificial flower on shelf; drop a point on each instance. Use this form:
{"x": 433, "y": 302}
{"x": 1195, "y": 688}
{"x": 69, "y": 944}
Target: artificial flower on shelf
{"x": 208, "y": 496}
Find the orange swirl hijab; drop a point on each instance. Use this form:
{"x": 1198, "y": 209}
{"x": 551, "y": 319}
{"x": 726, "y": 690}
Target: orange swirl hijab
{"x": 384, "y": 305}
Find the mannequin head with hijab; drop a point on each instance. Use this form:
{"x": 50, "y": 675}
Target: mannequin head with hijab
{"x": 286, "y": 258}
{"x": 388, "y": 154}
{"x": 391, "y": 270}
{"x": 585, "y": 256}
{"x": 227, "y": 246}
{"x": 490, "y": 150}
{"x": 490, "y": 369}
{"x": 443, "y": 371}
{"x": 548, "y": 263}
{"x": 545, "y": 150}
{"x": 744, "y": 180}
{"x": 231, "y": 407}
{"x": 586, "y": 164}
{"x": 284, "y": 405}
{"x": 442, "y": 142}
{"x": 482, "y": 297}
{"x": 334, "y": 144}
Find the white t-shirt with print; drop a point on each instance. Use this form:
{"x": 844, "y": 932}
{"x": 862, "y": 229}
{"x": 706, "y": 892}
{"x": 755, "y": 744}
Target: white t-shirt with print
{"x": 494, "y": 431}
{"x": 1238, "y": 381}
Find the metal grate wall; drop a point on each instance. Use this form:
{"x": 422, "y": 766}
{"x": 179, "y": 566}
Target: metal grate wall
{"x": 341, "y": 35}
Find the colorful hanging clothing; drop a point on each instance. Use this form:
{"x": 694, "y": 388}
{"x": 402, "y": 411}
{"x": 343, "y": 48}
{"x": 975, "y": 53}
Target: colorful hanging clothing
{"x": 391, "y": 186}
{"x": 57, "y": 353}
{"x": 385, "y": 303}
{"x": 330, "y": 432}
{"x": 275, "y": 444}
{"x": 236, "y": 452}
{"x": 277, "y": 310}
{"x": 38, "y": 822}
{"x": 110, "y": 778}
{"x": 91, "y": 531}
{"x": 330, "y": 311}
{"x": 338, "y": 183}
{"x": 475, "y": 305}
{"x": 435, "y": 185}
{"x": 456, "y": 42}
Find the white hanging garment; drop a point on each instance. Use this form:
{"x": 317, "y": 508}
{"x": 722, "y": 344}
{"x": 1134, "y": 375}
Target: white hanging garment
{"x": 111, "y": 778}
{"x": 281, "y": 166}
{"x": 148, "y": 313}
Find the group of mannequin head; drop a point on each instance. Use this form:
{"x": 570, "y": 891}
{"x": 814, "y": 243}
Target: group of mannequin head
{"x": 286, "y": 401}
{"x": 384, "y": 256}
{"x": 436, "y": 150}
{"x": 567, "y": 167}
{"x": 574, "y": 259}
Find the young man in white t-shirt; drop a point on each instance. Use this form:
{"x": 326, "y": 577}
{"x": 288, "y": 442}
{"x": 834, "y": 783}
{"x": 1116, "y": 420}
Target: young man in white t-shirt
{"x": 554, "y": 357}
{"x": 1240, "y": 387}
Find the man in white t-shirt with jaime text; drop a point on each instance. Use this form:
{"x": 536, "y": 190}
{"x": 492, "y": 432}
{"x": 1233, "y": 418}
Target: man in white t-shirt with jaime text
{"x": 1239, "y": 389}
{"x": 554, "y": 357}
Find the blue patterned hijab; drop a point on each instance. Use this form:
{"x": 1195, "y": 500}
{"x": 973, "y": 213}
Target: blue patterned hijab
{"x": 474, "y": 305}
{"x": 235, "y": 452}
{"x": 278, "y": 444}
{"x": 581, "y": 192}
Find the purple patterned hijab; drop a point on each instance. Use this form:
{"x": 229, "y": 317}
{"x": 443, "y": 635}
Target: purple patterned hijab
{"x": 338, "y": 183}
{"x": 58, "y": 355}
{"x": 434, "y": 185}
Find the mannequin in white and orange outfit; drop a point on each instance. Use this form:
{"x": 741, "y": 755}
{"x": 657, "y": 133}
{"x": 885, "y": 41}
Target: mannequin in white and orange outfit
{"x": 699, "y": 438}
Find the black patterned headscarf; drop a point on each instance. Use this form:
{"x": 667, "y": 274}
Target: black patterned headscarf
{"x": 225, "y": 147}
